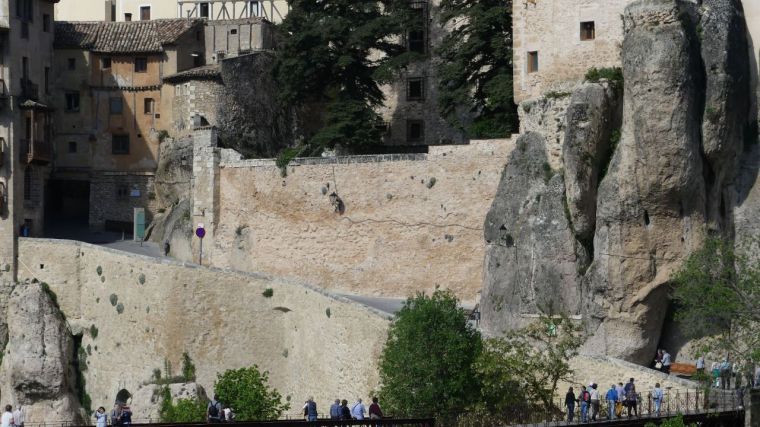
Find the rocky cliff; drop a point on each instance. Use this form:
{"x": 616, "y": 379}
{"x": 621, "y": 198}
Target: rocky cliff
{"x": 636, "y": 190}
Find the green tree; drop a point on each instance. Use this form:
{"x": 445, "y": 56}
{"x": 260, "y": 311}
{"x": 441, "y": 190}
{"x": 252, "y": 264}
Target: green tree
{"x": 188, "y": 367}
{"x": 475, "y": 70}
{"x": 717, "y": 295}
{"x": 336, "y": 54}
{"x": 524, "y": 367}
{"x": 427, "y": 365}
{"x": 676, "y": 421}
{"x": 247, "y": 392}
{"x": 183, "y": 411}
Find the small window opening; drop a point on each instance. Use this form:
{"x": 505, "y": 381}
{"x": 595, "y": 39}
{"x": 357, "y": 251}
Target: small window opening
{"x": 415, "y": 130}
{"x": 532, "y": 62}
{"x": 72, "y": 147}
{"x": 105, "y": 62}
{"x": 646, "y": 218}
{"x": 588, "y": 30}
{"x": 128, "y": 17}
{"x": 415, "y": 89}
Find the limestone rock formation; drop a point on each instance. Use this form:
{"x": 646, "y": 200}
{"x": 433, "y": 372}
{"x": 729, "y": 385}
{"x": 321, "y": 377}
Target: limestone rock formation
{"x": 146, "y": 401}
{"x": 671, "y": 179}
{"x": 37, "y": 370}
{"x": 532, "y": 257}
{"x": 593, "y": 128}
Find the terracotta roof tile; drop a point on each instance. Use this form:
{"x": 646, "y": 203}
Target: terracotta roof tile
{"x": 122, "y": 37}
{"x": 205, "y": 72}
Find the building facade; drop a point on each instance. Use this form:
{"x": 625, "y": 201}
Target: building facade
{"x": 555, "y": 43}
{"x": 113, "y": 111}
{"x": 26, "y": 46}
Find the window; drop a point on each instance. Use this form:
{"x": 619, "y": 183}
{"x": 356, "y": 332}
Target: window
{"x": 148, "y": 105}
{"x": 46, "y": 22}
{"x": 71, "y": 63}
{"x": 588, "y": 31}
{"x": 145, "y": 13}
{"x": 25, "y": 67}
{"x": 72, "y": 102}
{"x": 27, "y": 184}
{"x": 141, "y": 65}
{"x": 24, "y": 10}
{"x": 415, "y": 37}
{"x": 198, "y": 59}
{"x": 116, "y": 105}
{"x": 233, "y": 32}
{"x": 415, "y": 89}
{"x": 72, "y": 147}
{"x": 105, "y": 62}
{"x": 204, "y": 10}
{"x": 415, "y": 130}
{"x": 120, "y": 144}
{"x": 254, "y": 9}
{"x": 47, "y": 80}
{"x": 532, "y": 62}
{"x": 122, "y": 191}
{"x": 127, "y": 17}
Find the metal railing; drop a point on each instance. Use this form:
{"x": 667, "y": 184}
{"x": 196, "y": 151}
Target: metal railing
{"x": 412, "y": 422}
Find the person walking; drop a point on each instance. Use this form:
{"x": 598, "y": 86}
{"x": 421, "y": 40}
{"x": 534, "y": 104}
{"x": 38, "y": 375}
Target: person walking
{"x": 335, "y": 411}
{"x": 725, "y": 374}
{"x": 631, "y": 398}
{"x": 18, "y": 416}
{"x": 6, "y": 420}
{"x": 585, "y": 401}
{"x": 214, "y": 411}
{"x": 375, "y": 413}
{"x": 358, "y": 410}
{"x": 570, "y": 404}
{"x": 345, "y": 413}
{"x": 620, "y": 399}
{"x": 657, "y": 397}
{"x": 311, "y": 410}
{"x": 594, "y": 402}
{"x": 116, "y": 414}
{"x": 101, "y": 418}
{"x": 611, "y": 398}
{"x": 658, "y": 360}
{"x": 666, "y": 362}
{"x": 700, "y": 365}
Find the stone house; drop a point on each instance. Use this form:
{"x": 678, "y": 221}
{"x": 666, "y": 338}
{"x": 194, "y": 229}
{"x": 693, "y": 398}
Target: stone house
{"x": 26, "y": 46}
{"x": 113, "y": 110}
{"x": 555, "y": 43}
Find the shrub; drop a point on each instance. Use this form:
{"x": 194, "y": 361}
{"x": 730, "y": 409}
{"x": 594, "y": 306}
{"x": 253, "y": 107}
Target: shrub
{"x": 247, "y": 390}
{"x": 183, "y": 411}
{"x": 268, "y": 292}
{"x": 614, "y": 75}
{"x": 114, "y": 299}
{"x": 93, "y": 331}
{"x": 120, "y": 308}
{"x": 188, "y": 368}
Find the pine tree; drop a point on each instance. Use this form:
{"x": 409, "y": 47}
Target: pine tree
{"x": 336, "y": 54}
{"x": 475, "y": 74}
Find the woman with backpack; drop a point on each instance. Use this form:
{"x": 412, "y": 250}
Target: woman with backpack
{"x": 585, "y": 401}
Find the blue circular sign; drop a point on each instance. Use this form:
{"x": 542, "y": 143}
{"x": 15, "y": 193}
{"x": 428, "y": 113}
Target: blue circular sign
{"x": 200, "y": 232}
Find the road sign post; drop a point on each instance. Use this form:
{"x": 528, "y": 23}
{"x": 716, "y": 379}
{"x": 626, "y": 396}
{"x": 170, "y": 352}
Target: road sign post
{"x": 201, "y": 233}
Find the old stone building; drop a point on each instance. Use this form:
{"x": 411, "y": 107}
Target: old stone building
{"x": 555, "y": 43}
{"x": 26, "y": 46}
{"x": 112, "y": 111}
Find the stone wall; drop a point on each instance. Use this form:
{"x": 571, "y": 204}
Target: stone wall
{"x": 408, "y": 222}
{"x": 134, "y": 313}
{"x": 114, "y": 195}
{"x": 195, "y": 97}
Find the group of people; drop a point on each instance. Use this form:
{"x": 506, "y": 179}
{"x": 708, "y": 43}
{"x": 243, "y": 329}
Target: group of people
{"x": 662, "y": 361}
{"x": 11, "y": 418}
{"x": 619, "y": 397}
{"x": 216, "y": 412}
{"x": 340, "y": 410}
{"x": 121, "y": 415}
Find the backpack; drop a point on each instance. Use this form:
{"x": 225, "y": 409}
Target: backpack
{"x": 213, "y": 410}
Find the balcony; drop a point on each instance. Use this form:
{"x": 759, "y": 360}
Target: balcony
{"x": 29, "y": 90}
{"x": 36, "y": 151}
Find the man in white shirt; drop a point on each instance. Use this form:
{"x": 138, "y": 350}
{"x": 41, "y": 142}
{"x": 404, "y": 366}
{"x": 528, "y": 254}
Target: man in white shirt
{"x": 357, "y": 411}
{"x": 6, "y": 420}
{"x": 18, "y": 416}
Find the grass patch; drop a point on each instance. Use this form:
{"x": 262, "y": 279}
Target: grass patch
{"x": 93, "y": 331}
{"x": 268, "y": 292}
{"x": 613, "y": 74}
{"x": 556, "y": 95}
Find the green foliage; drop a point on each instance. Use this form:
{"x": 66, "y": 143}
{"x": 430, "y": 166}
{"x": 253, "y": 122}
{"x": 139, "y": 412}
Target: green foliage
{"x": 120, "y": 308}
{"x": 556, "y": 95}
{"x": 717, "y": 292}
{"x": 426, "y": 367}
{"x": 547, "y": 171}
{"x": 475, "y": 73}
{"x": 183, "y": 411}
{"x": 188, "y": 368}
{"x": 712, "y": 115}
{"x": 527, "y": 364}
{"x": 162, "y": 135}
{"x": 268, "y": 292}
{"x": 141, "y": 279}
{"x": 157, "y": 374}
{"x": 247, "y": 390}
{"x": 51, "y": 294}
{"x": 337, "y": 54}
{"x": 285, "y": 157}
{"x": 676, "y": 421}
{"x": 328, "y": 312}
{"x": 114, "y": 299}
{"x": 99, "y": 270}
{"x": 614, "y": 75}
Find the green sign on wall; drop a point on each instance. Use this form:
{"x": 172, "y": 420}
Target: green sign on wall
{"x": 139, "y": 221}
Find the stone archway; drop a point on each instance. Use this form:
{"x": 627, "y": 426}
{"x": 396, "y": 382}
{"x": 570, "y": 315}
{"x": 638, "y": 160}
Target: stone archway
{"x": 122, "y": 396}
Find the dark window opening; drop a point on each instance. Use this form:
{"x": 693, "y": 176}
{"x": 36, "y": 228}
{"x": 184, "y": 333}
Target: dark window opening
{"x": 148, "y": 105}
{"x": 588, "y": 31}
{"x": 120, "y": 144}
{"x": 254, "y": 9}
{"x": 25, "y": 67}
{"x": 646, "y": 217}
{"x": 27, "y": 184}
{"x": 415, "y": 130}
{"x": 145, "y": 13}
{"x": 46, "y": 22}
{"x": 105, "y": 62}
{"x": 72, "y": 102}
{"x": 233, "y": 32}
{"x": 71, "y": 63}
{"x": 116, "y": 105}
{"x": 122, "y": 191}
{"x": 141, "y": 65}
{"x": 415, "y": 89}
{"x": 47, "y": 80}
{"x": 128, "y": 17}
{"x": 532, "y": 62}
{"x": 204, "y": 10}
{"x": 198, "y": 60}
{"x": 72, "y": 147}
{"x": 416, "y": 34}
